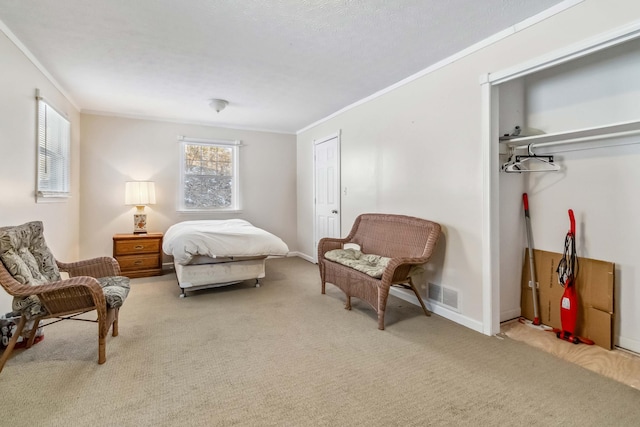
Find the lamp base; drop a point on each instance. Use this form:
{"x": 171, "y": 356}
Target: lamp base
{"x": 140, "y": 221}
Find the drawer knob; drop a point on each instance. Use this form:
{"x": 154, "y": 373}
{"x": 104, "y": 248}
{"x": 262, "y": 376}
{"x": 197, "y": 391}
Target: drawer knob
{"x": 138, "y": 247}
{"x": 138, "y": 262}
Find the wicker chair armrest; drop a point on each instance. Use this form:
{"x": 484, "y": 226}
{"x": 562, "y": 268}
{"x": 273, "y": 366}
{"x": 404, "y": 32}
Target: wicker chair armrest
{"x": 66, "y": 286}
{"x": 398, "y": 269}
{"x": 12, "y": 286}
{"x": 95, "y": 267}
{"x": 71, "y": 295}
{"x": 327, "y": 244}
{"x": 79, "y": 281}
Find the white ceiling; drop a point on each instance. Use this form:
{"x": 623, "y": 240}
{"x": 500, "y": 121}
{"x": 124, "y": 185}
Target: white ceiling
{"x": 281, "y": 64}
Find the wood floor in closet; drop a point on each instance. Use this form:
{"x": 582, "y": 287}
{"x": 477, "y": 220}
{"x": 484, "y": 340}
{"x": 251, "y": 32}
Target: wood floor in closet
{"x": 619, "y": 364}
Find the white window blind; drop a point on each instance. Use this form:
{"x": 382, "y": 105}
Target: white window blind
{"x": 54, "y": 139}
{"x": 209, "y": 175}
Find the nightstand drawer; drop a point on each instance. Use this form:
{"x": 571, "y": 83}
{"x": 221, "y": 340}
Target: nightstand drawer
{"x": 139, "y": 255}
{"x": 130, "y": 247}
{"x": 138, "y": 262}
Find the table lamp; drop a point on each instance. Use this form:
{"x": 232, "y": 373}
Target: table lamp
{"x": 140, "y": 194}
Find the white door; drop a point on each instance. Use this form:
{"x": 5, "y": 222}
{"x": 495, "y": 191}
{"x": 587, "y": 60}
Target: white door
{"x": 326, "y": 154}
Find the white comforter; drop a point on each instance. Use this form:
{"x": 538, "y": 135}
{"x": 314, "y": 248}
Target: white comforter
{"x": 225, "y": 238}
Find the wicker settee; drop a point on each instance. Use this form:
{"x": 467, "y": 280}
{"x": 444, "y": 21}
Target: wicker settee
{"x": 403, "y": 242}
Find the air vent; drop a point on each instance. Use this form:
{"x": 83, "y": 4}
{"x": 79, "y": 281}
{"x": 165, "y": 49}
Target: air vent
{"x": 444, "y": 296}
{"x": 450, "y": 298}
{"x": 435, "y": 292}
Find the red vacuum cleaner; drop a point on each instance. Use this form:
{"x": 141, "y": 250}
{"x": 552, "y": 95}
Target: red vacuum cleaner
{"x": 567, "y": 269}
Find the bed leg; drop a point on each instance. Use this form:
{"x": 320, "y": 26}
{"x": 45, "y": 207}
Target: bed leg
{"x": 183, "y": 294}
{"x": 257, "y": 283}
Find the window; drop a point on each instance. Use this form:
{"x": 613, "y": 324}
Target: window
{"x": 209, "y": 175}
{"x": 54, "y": 139}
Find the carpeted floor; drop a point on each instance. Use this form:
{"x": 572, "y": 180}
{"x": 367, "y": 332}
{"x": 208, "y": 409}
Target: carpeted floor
{"x": 285, "y": 355}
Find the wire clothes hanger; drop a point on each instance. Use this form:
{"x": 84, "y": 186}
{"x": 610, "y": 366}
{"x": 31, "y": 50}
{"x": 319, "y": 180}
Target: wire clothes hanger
{"x": 530, "y": 163}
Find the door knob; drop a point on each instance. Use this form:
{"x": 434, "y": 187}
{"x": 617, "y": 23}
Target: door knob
{"x": 334, "y": 211}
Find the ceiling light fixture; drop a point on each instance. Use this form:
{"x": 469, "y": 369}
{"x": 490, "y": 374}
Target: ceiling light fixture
{"x": 218, "y": 104}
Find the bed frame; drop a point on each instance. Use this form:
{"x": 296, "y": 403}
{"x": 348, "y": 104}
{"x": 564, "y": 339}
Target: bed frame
{"x": 204, "y": 272}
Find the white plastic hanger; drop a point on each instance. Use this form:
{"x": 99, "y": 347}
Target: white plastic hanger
{"x": 530, "y": 163}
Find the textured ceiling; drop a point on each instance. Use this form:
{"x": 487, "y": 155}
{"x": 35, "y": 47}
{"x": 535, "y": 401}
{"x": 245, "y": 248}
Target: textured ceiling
{"x": 281, "y": 64}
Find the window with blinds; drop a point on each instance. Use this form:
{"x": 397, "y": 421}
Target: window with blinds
{"x": 209, "y": 175}
{"x": 54, "y": 139}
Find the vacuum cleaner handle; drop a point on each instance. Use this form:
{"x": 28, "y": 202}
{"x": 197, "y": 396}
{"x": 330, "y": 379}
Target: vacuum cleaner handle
{"x": 572, "y": 219}
{"x": 532, "y": 269}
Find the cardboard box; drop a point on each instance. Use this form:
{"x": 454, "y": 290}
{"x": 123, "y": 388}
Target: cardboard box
{"x": 594, "y": 286}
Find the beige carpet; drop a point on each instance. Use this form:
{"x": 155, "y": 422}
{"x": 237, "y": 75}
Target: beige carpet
{"x": 285, "y": 355}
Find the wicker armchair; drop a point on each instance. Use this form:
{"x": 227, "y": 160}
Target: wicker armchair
{"x": 407, "y": 241}
{"x": 93, "y": 284}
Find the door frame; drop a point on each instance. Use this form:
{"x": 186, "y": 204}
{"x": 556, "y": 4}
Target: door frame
{"x": 317, "y": 142}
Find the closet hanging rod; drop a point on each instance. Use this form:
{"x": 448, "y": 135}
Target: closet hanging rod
{"x": 583, "y": 139}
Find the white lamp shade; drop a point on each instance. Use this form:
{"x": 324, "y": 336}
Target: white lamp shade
{"x": 140, "y": 193}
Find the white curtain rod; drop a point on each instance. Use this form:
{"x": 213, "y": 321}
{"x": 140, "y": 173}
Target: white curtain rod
{"x": 63, "y": 114}
{"x": 209, "y": 141}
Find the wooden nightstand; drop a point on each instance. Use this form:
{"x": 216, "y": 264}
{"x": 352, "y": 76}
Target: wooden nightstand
{"x": 139, "y": 255}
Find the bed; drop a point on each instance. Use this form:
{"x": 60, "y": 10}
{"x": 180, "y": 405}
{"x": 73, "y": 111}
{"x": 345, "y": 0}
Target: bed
{"x": 212, "y": 253}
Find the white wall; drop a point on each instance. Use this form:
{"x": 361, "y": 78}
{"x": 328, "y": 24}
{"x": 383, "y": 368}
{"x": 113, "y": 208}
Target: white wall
{"x": 18, "y": 110}
{"x": 417, "y": 149}
{"x": 116, "y": 150}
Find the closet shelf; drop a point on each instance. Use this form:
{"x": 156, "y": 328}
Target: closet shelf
{"x": 612, "y": 131}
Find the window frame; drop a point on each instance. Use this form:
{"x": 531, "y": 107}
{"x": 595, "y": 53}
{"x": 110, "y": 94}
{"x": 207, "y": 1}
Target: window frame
{"x": 234, "y": 145}
{"x": 46, "y": 114}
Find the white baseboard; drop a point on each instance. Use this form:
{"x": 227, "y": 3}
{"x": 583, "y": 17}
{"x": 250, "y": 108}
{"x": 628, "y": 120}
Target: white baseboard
{"x": 303, "y": 256}
{"x": 440, "y": 311}
{"x": 510, "y": 314}
{"x": 629, "y": 344}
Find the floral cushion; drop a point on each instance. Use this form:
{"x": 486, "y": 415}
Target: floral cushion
{"x": 26, "y": 255}
{"x": 116, "y": 289}
{"x": 370, "y": 264}
{"x": 22, "y": 265}
{"x": 29, "y": 306}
